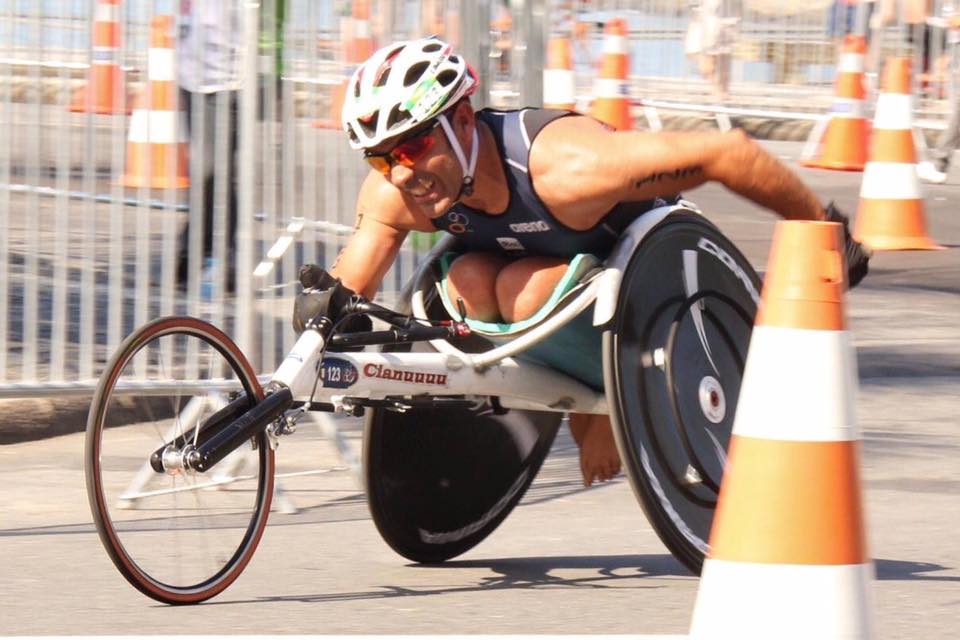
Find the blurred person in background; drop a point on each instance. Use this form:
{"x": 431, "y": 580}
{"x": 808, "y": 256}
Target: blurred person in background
{"x": 710, "y": 38}
{"x": 936, "y": 168}
{"x": 524, "y": 191}
{"x": 208, "y": 53}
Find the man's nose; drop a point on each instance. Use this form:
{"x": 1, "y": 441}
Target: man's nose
{"x": 400, "y": 175}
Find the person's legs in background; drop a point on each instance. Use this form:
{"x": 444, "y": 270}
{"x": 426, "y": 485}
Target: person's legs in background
{"x": 204, "y": 150}
{"x": 936, "y": 168}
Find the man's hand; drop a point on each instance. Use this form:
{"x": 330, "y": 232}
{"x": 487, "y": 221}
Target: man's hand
{"x": 857, "y": 255}
{"x": 323, "y": 295}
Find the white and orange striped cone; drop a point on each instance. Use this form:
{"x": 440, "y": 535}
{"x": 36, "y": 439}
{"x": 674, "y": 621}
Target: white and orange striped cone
{"x": 845, "y": 143}
{"x": 559, "y": 86}
{"x": 891, "y": 212}
{"x": 358, "y": 45}
{"x": 611, "y": 102}
{"x": 157, "y": 141}
{"x": 105, "y": 91}
{"x": 788, "y": 555}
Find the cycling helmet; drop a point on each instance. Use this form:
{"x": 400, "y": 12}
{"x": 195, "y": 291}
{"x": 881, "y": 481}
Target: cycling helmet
{"x": 402, "y": 86}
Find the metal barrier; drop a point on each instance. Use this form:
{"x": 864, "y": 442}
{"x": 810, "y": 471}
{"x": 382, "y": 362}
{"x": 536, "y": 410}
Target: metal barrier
{"x": 85, "y": 258}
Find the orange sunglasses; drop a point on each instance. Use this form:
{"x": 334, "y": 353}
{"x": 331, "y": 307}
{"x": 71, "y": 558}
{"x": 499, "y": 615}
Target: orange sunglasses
{"x": 406, "y": 152}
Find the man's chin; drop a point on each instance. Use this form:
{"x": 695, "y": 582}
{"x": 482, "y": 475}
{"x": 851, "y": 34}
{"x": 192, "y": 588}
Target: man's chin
{"x": 436, "y": 208}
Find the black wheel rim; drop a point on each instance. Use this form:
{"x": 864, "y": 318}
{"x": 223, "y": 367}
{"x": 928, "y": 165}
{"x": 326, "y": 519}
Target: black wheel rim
{"x": 677, "y": 350}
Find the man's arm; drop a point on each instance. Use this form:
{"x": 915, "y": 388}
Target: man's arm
{"x": 383, "y": 220}
{"x": 582, "y": 170}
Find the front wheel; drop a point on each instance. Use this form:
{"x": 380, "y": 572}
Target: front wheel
{"x": 178, "y": 535}
{"x": 673, "y": 361}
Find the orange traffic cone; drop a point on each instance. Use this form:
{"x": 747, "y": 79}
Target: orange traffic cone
{"x": 611, "y": 103}
{"x": 891, "y": 213}
{"x": 358, "y": 46}
{"x": 788, "y": 555}
{"x": 559, "y": 87}
{"x": 844, "y": 145}
{"x": 105, "y": 91}
{"x": 157, "y": 142}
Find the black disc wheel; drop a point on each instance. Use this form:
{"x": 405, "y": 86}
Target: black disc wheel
{"x": 178, "y": 535}
{"x": 675, "y": 353}
{"x": 439, "y": 481}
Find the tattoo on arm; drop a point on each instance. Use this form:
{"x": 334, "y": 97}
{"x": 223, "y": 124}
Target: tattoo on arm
{"x": 356, "y": 225}
{"x": 676, "y": 174}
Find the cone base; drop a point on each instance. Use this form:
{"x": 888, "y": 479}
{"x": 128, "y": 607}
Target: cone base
{"x": 893, "y": 225}
{"x": 614, "y": 112}
{"x": 156, "y": 183}
{"x": 79, "y": 105}
{"x": 843, "y": 147}
{"x": 832, "y": 165}
{"x": 751, "y": 601}
{"x": 896, "y": 243}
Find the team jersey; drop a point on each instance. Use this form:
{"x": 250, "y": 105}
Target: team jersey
{"x": 526, "y": 227}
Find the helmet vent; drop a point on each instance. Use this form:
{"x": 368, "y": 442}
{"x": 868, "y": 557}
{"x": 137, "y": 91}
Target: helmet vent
{"x": 369, "y": 123}
{"x": 431, "y": 47}
{"x": 446, "y": 77}
{"x": 396, "y": 116}
{"x": 381, "y": 79}
{"x": 414, "y": 73}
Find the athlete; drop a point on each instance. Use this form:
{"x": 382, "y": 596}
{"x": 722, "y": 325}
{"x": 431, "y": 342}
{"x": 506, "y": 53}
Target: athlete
{"x": 524, "y": 191}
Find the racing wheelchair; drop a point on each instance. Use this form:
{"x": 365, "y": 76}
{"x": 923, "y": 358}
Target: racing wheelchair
{"x": 458, "y": 417}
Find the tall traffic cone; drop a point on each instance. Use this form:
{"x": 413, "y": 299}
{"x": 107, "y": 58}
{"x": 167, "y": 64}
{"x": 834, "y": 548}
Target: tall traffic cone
{"x": 788, "y": 555}
{"x": 559, "y": 87}
{"x": 105, "y": 91}
{"x": 157, "y": 141}
{"x": 611, "y": 102}
{"x": 358, "y": 45}
{"x": 845, "y": 142}
{"x": 891, "y": 213}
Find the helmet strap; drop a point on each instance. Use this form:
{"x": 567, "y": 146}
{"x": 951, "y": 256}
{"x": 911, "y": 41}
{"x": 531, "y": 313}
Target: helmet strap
{"x": 466, "y": 188}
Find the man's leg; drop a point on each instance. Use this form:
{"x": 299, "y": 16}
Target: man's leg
{"x": 522, "y": 287}
{"x": 472, "y": 278}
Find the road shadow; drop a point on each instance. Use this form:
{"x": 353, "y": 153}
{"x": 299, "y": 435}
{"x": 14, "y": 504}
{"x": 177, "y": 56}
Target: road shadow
{"x": 606, "y": 572}
{"x": 906, "y": 570}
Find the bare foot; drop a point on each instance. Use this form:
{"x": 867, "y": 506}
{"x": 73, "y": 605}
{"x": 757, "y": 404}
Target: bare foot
{"x": 599, "y": 459}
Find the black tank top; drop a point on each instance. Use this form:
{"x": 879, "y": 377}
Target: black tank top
{"x": 526, "y": 227}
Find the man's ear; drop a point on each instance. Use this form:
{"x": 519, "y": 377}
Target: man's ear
{"x": 463, "y": 116}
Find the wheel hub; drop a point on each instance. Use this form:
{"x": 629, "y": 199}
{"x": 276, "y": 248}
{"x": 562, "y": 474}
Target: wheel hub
{"x": 713, "y": 403}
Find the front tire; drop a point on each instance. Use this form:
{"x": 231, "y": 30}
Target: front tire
{"x": 179, "y": 536}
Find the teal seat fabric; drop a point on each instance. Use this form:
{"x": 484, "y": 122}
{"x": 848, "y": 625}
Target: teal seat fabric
{"x": 574, "y": 349}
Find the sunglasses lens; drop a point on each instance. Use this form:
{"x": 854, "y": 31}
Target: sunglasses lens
{"x": 407, "y": 153}
{"x": 379, "y": 163}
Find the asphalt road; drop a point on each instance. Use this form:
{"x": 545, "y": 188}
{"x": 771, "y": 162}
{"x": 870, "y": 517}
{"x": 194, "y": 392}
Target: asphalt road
{"x": 569, "y": 559}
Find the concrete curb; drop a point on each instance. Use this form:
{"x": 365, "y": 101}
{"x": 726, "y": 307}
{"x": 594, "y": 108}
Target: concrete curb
{"x": 30, "y": 419}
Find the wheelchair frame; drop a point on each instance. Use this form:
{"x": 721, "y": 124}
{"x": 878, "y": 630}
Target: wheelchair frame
{"x": 518, "y": 384}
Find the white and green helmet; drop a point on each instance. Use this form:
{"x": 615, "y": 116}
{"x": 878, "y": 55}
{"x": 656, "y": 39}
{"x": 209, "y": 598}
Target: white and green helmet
{"x": 402, "y": 86}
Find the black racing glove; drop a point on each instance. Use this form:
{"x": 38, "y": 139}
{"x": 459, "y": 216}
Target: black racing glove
{"x": 856, "y": 254}
{"x": 324, "y": 295}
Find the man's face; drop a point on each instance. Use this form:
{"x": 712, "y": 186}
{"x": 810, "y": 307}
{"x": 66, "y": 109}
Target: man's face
{"x": 423, "y": 166}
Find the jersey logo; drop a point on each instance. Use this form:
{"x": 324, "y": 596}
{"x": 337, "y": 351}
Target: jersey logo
{"x": 458, "y": 222}
{"x": 511, "y": 244}
{"x": 537, "y": 226}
